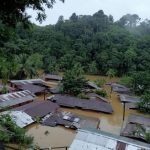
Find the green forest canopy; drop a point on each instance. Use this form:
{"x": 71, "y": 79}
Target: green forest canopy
{"x": 96, "y": 41}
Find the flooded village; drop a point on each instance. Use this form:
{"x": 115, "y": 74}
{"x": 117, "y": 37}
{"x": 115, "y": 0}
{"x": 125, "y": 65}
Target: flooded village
{"x": 56, "y": 121}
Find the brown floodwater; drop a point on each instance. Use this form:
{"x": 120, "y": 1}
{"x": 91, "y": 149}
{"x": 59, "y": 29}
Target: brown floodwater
{"x": 60, "y": 136}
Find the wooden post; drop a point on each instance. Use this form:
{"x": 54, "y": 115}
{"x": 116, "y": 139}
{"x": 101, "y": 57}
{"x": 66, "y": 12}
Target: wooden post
{"x": 124, "y": 109}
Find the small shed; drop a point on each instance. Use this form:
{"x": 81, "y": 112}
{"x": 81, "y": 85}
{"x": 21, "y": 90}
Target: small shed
{"x": 120, "y": 88}
{"x": 92, "y": 85}
{"x": 53, "y": 78}
{"x": 131, "y": 100}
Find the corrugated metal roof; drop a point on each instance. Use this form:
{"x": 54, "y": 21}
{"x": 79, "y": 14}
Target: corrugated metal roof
{"x": 20, "y": 118}
{"x": 28, "y": 81}
{"x": 53, "y": 77}
{"x": 39, "y": 108}
{"x": 97, "y": 140}
{"x": 120, "y": 88}
{"x": 128, "y": 99}
{"x": 15, "y": 98}
{"x": 69, "y": 101}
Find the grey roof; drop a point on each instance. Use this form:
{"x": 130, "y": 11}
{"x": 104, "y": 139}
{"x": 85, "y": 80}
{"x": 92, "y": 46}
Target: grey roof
{"x": 139, "y": 120}
{"x": 98, "y": 97}
{"x": 35, "y": 89}
{"x": 120, "y": 88}
{"x": 15, "y": 98}
{"x": 20, "y": 118}
{"x": 132, "y": 127}
{"x": 92, "y": 85}
{"x": 91, "y": 139}
{"x": 69, "y": 101}
{"x": 28, "y": 81}
{"x": 38, "y": 108}
{"x": 33, "y": 85}
{"x": 70, "y": 120}
{"x": 53, "y": 77}
{"x": 128, "y": 99}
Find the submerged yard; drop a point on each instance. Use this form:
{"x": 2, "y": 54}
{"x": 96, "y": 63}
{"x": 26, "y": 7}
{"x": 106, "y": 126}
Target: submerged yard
{"x": 45, "y": 136}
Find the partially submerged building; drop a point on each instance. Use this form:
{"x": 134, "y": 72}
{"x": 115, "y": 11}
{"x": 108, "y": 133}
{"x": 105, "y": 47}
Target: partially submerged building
{"x": 121, "y": 89}
{"x": 85, "y": 104}
{"x": 53, "y": 78}
{"x": 20, "y": 118}
{"x": 70, "y": 120}
{"x": 39, "y": 108}
{"x": 91, "y": 139}
{"x": 14, "y": 99}
{"x": 136, "y": 127}
{"x": 35, "y": 86}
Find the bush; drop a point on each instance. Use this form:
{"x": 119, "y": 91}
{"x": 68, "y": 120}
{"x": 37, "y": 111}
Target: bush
{"x": 126, "y": 80}
{"x": 102, "y": 93}
{"x": 147, "y": 137}
{"x": 14, "y": 134}
{"x": 73, "y": 81}
{"x": 83, "y": 96}
{"x": 100, "y": 82}
{"x": 144, "y": 104}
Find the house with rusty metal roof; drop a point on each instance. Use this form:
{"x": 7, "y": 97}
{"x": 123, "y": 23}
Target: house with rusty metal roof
{"x": 14, "y": 99}
{"x": 38, "y": 108}
{"x": 91, "y": 139}
{"x": 73, "y": 102}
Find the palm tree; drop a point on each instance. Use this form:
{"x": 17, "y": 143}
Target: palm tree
{"x": 28, "y": 65}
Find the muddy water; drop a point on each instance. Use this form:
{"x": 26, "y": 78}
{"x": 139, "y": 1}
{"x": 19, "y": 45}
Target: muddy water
{"x": 45, "y": 136}
{"x": 59, "y": 136}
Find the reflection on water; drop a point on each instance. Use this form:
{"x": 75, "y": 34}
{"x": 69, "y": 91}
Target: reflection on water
{"x": 59, "y": 136}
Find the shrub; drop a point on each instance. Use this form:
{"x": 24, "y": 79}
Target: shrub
{"x": 100, "y": 82}
{"x": 147, "y": 137}
{"x": 144, "y": 104}
{"x": 102, "y": 93}
{"x": 73, "y": 81}
{"x": 83, "y": 96}
{"x": 13, "y": 134}
{"x": 126, "y": 80}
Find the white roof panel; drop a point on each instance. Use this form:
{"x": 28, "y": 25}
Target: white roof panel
{"x": 20, "y": 118}
{"x": 88, "y": 140}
